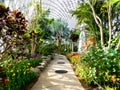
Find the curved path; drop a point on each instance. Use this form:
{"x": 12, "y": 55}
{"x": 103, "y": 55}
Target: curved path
{"x": 50, "y": 80}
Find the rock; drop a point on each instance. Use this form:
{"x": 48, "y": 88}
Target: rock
{"x": 48, "y": 56}
{"x": 44, "y": 61}
{"x": 41, "y": 68}
{"x": 47, "y": 60}
{"x": 36, "y": 71}
{"x": 98, "y": 88}
{"x": 43, "y": 64}
{"x": 43, "y": 57}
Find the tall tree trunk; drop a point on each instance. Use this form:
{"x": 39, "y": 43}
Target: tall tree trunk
{"x": 40, "y": 6}
{"x": 59, "y": 45}
{"x": 33, "y": 46}
{"x": 72, "y": 46}
{"x": 110, "y": 25}
{"x": 99, "y": 23}
{"x": 102, "y": 36}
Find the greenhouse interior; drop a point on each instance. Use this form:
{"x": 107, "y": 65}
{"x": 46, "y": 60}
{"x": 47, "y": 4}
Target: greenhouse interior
{"x": 59, "y": 44}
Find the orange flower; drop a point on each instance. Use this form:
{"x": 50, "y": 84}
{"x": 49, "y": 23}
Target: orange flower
{"x": 68, "y": 55}
{"x": 76, "y": 56}
{"x": 113, "y": 78}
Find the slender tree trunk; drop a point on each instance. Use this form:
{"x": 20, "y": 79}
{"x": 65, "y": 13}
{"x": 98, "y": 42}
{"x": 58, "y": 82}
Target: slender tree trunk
{"x": 40, "y": 6}
{"x": 72, "y": 46}
{"x": 99, "y": 23}
{"x": 102, "y": 36}
{"x": 33, "y": 46}
{"x": 65, "y": 45}
{"x": 110, "y": 25}
{"x": 59, "y": 45}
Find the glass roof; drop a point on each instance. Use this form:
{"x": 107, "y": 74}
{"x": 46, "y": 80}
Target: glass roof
{"x": 58, "y": 8}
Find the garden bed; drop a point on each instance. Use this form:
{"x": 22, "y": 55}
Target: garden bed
{"x": 98, "y": 66}
{"x": 30, "y": 84}
{"x": 83, "y": 83}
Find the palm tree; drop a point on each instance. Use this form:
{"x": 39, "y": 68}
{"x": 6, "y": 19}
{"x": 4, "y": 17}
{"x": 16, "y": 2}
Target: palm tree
{"x": 60, "y": 31}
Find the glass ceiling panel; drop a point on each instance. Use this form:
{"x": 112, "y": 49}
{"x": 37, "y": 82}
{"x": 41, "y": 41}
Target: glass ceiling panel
{"x": 60, "y": 9}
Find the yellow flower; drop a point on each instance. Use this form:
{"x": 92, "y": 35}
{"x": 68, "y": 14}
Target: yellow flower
{"x": 109, "y": 88}
{"x": 113, "y": 78}
{"x": 107, "y": 76}
{"x": 28, "y": 63}
{"x": 11, "y": 71}
{"x": 13, "y": 74}
{"x": 17, "y": 70}
{"x": 24, "y": 73}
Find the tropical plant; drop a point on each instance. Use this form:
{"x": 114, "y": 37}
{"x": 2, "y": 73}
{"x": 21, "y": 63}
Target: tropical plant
{"x": 39, "y": 28}
{"x": 84, "y": 16}
{"x": 60, "y": 30}
{"x": 98, "y": 15}
{"x": 12, "y": 27}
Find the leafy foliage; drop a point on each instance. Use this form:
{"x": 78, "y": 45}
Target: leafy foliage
{"x": 18, "y": 74}
{"x": 48, "y": 49}
{"x": 99, "y": 66}
{"x": 12, "y": 26}
{"x": 85, "y": 15}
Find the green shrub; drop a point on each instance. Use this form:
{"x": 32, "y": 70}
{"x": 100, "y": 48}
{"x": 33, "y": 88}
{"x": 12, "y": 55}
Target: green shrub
{"x": 34, "y": 61}
{"x": 47, "y": 49}
{"x": 64, "y": 49}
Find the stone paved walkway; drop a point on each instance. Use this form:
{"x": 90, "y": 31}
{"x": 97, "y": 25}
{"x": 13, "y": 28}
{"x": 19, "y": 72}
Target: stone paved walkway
{"x": 49, "y": 80}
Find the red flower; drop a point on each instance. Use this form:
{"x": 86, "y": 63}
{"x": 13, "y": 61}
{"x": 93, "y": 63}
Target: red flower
{"x": 6, "y": 80}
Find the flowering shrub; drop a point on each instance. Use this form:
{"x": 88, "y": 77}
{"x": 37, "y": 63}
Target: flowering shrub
{"x": 101, "y": 67}
{"x": 74, "y": 57}
{"x": 69, "y": 55}
{"x": 19, "y": 74}
{"x": 74, "y": 54}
